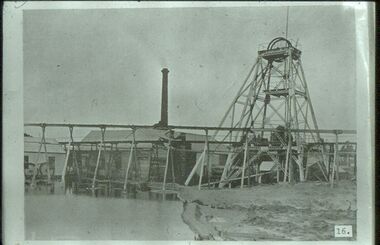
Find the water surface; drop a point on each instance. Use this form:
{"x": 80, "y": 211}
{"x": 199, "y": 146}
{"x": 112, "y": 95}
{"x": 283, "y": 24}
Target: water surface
{"x": 60, "y": 217}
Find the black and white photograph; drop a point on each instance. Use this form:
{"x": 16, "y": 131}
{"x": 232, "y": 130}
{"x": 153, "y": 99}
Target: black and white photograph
{"x": 184, "y": 123}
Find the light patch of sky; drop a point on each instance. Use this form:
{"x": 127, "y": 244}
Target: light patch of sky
{"x": 104, "y": 66}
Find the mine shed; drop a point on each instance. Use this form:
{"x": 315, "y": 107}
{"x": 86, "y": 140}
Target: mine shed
{"x": 54, "y": 157}
{"x": 151, "y": 155}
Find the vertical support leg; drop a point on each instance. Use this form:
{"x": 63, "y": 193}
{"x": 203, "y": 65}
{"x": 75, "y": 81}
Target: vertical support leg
{"x": 303, "y": 80}
{"x": 307, "y": 167}
{"x": 335, "y": 161}
{"x": 108, "y": 163}
{"x": 75, "y": 160}
{"x": 150, "y": 164}
{"x": 36, "y": 167}
{"x": 203, "y": 164}
{"x": 129, "y": 160}
{"x": 96, "y": 171}
{"x": 98, "y": 161}
{"x": 207, "y": 155}
{"x": 66, "y": 162}
{"x": 166, "y": 166}
{"x": 332, "y": 175}
{"x": 46, "y": 155}
{"x": 172, "y": 164}
{"x": 109, "y": 174}
{"x": 128, "y": 166}
{"x": 336, "y": 156}
{"x": 287, "y": 159}
{"x": 244, "y": 162}
{"x": 354, "y": 158}
{"x": 201, "y": 173}
{"x": 249, "y": 175}
{"x": 65, "y": 166}
{"x": 136, "y": 165}
{"x": 331, "y": 151}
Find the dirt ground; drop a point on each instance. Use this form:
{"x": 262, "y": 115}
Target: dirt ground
{"x": 303, "y": 211}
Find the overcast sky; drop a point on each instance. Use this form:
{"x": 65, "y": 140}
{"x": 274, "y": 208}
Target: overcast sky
{"x": 104, "y": 66}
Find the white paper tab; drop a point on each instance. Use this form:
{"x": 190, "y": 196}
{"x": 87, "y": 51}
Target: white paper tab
{"x": 343, "y": 231}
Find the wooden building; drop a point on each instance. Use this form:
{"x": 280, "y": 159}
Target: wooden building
{"x": 143, "y": 154}
{"x": 36, "y": 157}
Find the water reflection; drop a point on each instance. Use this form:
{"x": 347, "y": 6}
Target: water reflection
{"x": 136, "y": 216}
{"x": 57, "y": 189}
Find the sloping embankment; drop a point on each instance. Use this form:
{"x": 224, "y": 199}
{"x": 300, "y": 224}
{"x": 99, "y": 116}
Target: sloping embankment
{"x": 304, "y": 211}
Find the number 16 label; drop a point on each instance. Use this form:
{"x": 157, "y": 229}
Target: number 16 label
{"x": 343, "y": 231}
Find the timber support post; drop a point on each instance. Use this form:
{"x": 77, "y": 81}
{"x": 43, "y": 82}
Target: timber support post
{"x": 167, "y": 164}
{"x": 335, "y": 170}
{"x": 39, "y": 165}
{"x": 209, "y": 169}
{"x": 244, "y": 161}
{"x": 68, "y": 151}
{"x": 101, "y": 147}
{"x": 36, "y": 167}
{"x": 278, "y": 173}
{"x": 172, "y": 158}
{"x": 131, "y": 153}
{"x": 202, "y": 169}
{"x": 43, "y": 126}
{"x": 75, "y": 160}
{"x": 287, "y": 158}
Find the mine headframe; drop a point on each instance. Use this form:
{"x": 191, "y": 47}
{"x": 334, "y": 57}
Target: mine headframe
{"x": 274, "y": 101}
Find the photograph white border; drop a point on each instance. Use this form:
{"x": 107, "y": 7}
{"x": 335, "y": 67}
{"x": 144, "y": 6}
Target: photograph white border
{"x": 13, "y": 186}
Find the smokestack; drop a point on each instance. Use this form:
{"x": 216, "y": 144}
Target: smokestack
{"x": 164, "y": 98}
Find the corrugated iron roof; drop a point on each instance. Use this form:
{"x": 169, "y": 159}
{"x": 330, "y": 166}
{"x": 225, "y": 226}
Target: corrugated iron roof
{"x": 148, "y": 135}
{"x": 140, "y": 135}
{"x": 122, "y": 135}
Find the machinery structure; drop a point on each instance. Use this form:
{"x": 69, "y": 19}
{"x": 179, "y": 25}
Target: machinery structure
{"x": 271, "y": 119}
{"x": 274, "y": 103}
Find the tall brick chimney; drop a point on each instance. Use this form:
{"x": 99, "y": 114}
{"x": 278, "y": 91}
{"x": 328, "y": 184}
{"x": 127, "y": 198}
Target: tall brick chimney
{"x": 164, "y": 98}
